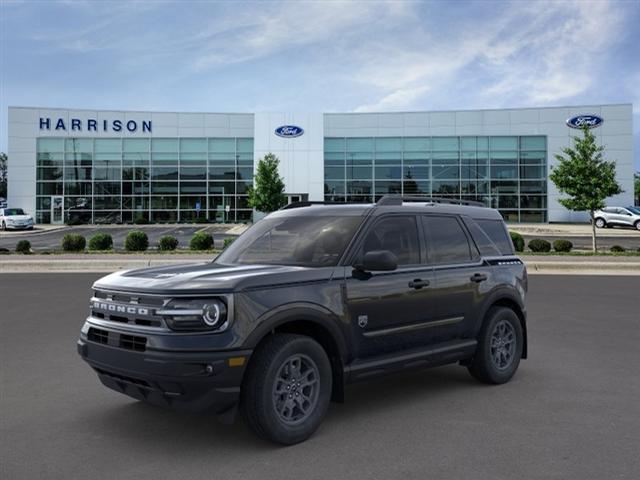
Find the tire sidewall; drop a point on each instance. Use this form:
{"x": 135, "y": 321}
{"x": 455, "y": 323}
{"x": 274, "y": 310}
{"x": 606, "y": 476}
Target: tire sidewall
{"x": 280, "y": 431}
{"x": 495, "y": 375}
{"x": 637, "y": 225}
{"x": 600, "y": 223}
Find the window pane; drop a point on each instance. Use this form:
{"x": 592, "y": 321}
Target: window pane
{"x": 359, "y": 188}
{"x": 446, "y": 241}
{"x": 359, "y": 144}
{"x": 164, "y": 145}
{"x": 135, "y": 145}
{"x": 446, "y": 187}
{"x": 417, "y": 144}
{"x": 334, "y": 144}
{"x": 388, "y": 173}
{"x": 388, "y": 144}
{"x": 222, "y": 145}
{"x": 383, "y": 188}
{"x": 191, "y": 173}
{"x": 108, "y": 145}
{"x": 334, "y": 159}
{"x": 410, "y": 172}
{"x": 533, "y": 143}
{"x": 468, "y": 143}
{"x": 193, "y": 145}
{"x": 504, "y": 143}
{"x": 78, "y": 145}
{"x": 501, "y": 171}
{"x": 445, "y": 144}
{"x": 399, "y": 235}
{"x": 245, "y": 145}
{"x": 412, "y": 187}
{"x": 165, "y": 173}
{"x": 334, "y": 173}
{"x": 50, "y": 145}
{"x": 333, "y": 188}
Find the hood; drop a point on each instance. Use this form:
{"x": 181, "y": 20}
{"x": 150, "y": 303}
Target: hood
{"x": 209, "y": 278}
{"x": 19, "y": 218}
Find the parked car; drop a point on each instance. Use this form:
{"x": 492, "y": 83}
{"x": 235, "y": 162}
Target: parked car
{"x": 15, "y": 218}
{"x": 618, "y": 216}
{"x": 308, "y": 299}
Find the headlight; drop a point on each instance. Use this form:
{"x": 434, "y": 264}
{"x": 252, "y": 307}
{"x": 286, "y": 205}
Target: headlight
{"x": 195, "y": 315}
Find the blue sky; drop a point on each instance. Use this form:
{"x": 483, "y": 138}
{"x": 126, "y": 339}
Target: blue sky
{"x": 318, "y": 55}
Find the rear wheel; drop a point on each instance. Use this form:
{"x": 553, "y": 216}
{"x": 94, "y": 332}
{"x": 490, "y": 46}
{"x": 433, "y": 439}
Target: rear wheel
{"x": 4, "y": 226}
{"x": 637, "y": 225}
{"x": 499, "y": 347}
{"x": 600, "y": 223}
{"x": 287, "y": 390}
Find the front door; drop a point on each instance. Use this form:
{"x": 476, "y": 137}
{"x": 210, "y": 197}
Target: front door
{"x": 57, "y": 209}
{"x": 390, "y": 311}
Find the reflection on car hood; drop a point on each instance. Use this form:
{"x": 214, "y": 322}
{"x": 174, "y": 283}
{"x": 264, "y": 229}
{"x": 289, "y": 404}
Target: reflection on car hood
{"x": 18, "y": 218}
{"x": 209, "y": 277}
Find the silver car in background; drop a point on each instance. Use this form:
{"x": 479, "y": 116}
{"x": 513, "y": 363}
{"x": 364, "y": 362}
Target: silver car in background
{"x": 618, "y": 217}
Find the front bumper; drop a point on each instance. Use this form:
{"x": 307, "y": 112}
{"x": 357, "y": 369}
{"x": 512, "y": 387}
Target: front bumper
{"x": 191, "y": 381}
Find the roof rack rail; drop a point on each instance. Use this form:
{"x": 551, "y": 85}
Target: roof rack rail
{"x": 307, "y": 203}
{"x": 389, "y": 200}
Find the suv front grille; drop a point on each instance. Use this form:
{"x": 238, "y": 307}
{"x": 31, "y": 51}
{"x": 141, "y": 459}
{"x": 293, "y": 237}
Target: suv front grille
{"x": 128, "y": 309}
{"x": 114, "y": 339}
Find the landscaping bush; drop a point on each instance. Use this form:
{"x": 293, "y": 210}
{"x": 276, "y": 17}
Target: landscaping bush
{"x": 4, "y": 251}
{"x": 136, "y": 241}
{"x": 539, "y": 245}
{"x": 167, "y": 243}
{"x": 562, "y": 245}
{"x": 227, "y": 241}
{"x": 141, "y": 220}
{"x": 517, "y": 240}
{"x": 23, "y": 246}
{"x": 73, "y": 242}
{"x": 618, "y": 249}
{"x": 101, "y": 241}
{"x": 201, "y": 241}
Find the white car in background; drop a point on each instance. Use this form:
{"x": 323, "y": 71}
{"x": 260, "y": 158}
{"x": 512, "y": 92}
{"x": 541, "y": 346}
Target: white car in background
{"x": 618, "y": 216}
{"x": 15, "y": 218}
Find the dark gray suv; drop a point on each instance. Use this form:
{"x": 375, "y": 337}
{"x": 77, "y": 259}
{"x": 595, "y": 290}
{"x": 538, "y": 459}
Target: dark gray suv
{"x": 307, "y": 300}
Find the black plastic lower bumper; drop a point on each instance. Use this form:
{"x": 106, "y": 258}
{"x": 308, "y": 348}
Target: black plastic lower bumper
{"x": 181, "y": 380}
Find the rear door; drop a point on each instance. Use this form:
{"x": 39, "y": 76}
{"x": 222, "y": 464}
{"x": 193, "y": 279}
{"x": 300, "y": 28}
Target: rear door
{"x": 390, "y": 311}
{"x": 461, "y": 277}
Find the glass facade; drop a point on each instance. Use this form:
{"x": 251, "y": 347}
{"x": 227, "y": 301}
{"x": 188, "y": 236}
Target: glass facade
{"x": 113, "y": 180}
{"x": 505, "y": 172}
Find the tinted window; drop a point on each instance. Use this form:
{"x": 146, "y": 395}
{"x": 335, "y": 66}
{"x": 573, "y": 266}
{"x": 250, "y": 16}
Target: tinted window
{"x": 497, "y": 232}
{"x": 483, "y": 242}
{"x": 446, "y": 240}
{"x": 399, "y": 235}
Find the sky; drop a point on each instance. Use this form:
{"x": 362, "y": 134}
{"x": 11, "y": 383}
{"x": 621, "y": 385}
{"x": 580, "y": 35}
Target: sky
{"x": 233, "y": 56}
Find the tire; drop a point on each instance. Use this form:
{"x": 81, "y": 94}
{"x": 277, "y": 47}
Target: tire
{"x": 600, "y": 223}
{"x": 269, "y": 413}
{"x": 490, "y": 365}
{"x": 637, "y": 225}
{"x": 4, "y": 226}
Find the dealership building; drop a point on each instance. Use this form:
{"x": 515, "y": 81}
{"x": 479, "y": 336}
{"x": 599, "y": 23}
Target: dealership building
{"x": 106, "y": 166}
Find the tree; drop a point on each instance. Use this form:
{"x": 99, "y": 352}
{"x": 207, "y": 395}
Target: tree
{"x": 585, "y": 177}
{"x": 267, "y": 193}
{"x": 3, "y": 175}
{"x": 636, "y": 187}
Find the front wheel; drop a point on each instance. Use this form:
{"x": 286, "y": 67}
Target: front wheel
{"x": 287, "y": 389}
{"x": 499, "y": 347}
{"x": 600, "y": 223}
{"x": 4, "y": 226}
{"x": 637, "y": 225}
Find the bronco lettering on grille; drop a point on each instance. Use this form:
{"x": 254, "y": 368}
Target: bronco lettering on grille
{"x": 113, "y": 307}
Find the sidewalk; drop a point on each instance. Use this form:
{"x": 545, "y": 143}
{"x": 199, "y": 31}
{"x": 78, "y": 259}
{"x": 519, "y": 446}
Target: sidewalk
{"x": 568, "y": 265}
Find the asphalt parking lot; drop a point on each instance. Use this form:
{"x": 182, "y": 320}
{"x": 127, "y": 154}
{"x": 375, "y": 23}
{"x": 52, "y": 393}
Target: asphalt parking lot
{"x": 52, "y": 240}
{"x": 572, "y": 411}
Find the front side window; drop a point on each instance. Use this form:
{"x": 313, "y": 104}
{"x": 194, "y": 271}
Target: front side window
{"x": 308, "y": 241}
{"x": 399, "y": 235}
{"x": 446, "y": 241}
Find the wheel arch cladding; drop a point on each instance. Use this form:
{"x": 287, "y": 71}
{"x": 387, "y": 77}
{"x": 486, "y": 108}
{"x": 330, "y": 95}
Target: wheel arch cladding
{"x": 313, "y": 325}
{"x": 513, "y": 305}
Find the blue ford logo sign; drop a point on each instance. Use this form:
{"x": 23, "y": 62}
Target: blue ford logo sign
{"x": 581, "y": 121}
{"x": 289, "y": 131}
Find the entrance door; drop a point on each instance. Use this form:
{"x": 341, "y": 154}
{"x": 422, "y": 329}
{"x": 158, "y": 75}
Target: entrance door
{"x": 57, "y": 209}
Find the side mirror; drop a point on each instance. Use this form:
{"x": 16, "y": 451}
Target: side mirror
{"x": 381, "y": 260}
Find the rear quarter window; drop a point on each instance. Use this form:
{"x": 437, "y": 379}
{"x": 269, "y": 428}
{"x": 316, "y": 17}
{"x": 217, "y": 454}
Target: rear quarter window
{"x": 497, "y": 232}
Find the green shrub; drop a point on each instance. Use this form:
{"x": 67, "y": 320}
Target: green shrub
{"x": 562, "y": 245}
{"x": 539, "y": 245}
{"x": 23, "y": 246}
{"x": 201, "y": 241}
{"x": 517, "y": 240}
{"x": 167, "y": 243}
{"x": 73, "y": 242}
{"x": 141, "y": 220}
{"x": 136, "y": 241}
{"x": 227, "y": 241}
{"x": 75, "y": 220}
{"x": 101, "y": 241}
{"x": 618, "y": 249}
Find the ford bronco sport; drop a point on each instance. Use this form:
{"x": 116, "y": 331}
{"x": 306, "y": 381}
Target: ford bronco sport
{"x": 307, "y": 300}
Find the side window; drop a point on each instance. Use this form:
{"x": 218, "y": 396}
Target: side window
{"x": 486, "y": 246}
{"x": 446, "y": 241}
{"x": 496, "y": 231}
{"x": 399, "y": 235}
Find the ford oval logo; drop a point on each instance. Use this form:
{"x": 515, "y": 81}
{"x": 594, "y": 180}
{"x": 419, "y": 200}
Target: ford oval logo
{"x": 581, "y": 121}
{"x": 289, "y": 131}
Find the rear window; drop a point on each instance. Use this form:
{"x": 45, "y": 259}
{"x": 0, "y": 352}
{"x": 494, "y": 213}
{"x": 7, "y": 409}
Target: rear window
{"x": 497, "y": 232}
{"x": 446, "y": 241}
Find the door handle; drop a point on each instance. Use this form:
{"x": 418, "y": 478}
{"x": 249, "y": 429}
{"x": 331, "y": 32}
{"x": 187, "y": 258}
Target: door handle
{"x": 478, "y": 277}
{"x": 418, "y": 283}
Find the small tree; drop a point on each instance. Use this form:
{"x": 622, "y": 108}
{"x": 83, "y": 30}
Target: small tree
{"x": 3, "y": 174}
{"x": 267, "y": 193}
{"x": 585, "y": 177}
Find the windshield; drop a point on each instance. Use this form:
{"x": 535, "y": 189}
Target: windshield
{"x": 635, "y": 210}
{"x": 317, "y": 241}
{"x": 13, "y": 211}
